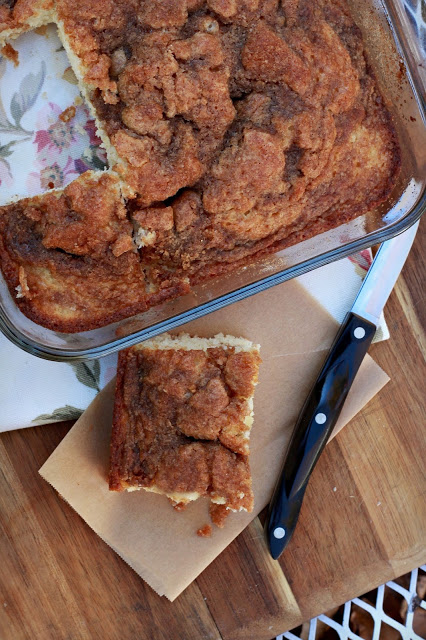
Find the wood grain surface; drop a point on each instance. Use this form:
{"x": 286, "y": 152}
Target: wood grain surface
{"x": 363, "y": 522}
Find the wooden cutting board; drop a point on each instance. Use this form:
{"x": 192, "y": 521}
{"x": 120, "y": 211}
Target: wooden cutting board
{"x": 363, "y": 522}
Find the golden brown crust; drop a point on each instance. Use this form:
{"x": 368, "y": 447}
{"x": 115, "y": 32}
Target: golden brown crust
{"x": 179, "y": 422}
{"x": 240, "y": 127}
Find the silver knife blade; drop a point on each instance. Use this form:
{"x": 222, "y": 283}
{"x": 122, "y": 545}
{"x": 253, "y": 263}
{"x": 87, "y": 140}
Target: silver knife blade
{"x": 382, "y": 275}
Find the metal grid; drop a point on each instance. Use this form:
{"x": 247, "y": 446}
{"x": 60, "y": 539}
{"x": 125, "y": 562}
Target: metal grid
{"x": 343, "y": 629}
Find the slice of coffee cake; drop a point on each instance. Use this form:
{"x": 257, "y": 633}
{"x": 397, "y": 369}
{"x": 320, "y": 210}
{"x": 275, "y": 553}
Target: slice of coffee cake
{"x": 182, "y": 419}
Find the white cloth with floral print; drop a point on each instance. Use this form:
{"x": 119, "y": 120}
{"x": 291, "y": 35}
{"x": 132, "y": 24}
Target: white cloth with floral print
{"x": 39, "y": 151}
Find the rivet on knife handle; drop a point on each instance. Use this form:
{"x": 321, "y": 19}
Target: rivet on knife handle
{"x": 314, "y": 426}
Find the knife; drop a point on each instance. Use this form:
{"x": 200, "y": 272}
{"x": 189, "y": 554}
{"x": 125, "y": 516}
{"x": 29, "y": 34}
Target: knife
{"x": 325, "y": 401}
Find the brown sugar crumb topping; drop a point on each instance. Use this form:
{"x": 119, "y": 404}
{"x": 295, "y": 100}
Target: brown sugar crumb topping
{"x": 240, "y": 100}
{"x": 204, "y": 531}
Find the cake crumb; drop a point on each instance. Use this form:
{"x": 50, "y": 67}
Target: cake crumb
{"x": 42, "y": 30}
{"x": 10, "y": 53}
{"x": 179, "y": 506}
{"x": 68, "y": 114}
{"x": 205, "y": 531}
{"x": 218, "y": 514}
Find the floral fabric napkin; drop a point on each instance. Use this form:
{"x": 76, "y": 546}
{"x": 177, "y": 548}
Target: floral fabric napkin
{"x": 40, "y": 151}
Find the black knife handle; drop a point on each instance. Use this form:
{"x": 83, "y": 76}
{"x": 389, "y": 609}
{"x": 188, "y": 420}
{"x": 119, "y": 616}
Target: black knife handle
{"x": 314, "y": 426}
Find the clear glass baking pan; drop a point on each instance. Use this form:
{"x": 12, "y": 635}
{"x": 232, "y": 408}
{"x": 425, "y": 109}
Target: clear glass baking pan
{"x": 388, "y": 38}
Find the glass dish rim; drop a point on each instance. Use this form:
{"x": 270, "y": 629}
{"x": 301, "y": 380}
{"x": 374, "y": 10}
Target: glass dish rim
{"x": 175, "y": 320}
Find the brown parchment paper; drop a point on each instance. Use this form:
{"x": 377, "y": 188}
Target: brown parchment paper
{"x": 159, "y": 543}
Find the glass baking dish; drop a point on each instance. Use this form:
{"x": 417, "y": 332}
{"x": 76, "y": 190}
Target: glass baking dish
{"x": 387, "y": 39}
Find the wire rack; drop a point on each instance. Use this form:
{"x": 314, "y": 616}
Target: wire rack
{"x": 382, "y": 620}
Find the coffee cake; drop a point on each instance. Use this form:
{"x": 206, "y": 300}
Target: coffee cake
{"x": 233, "y": 128}
{"x": 182, "y": 418}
